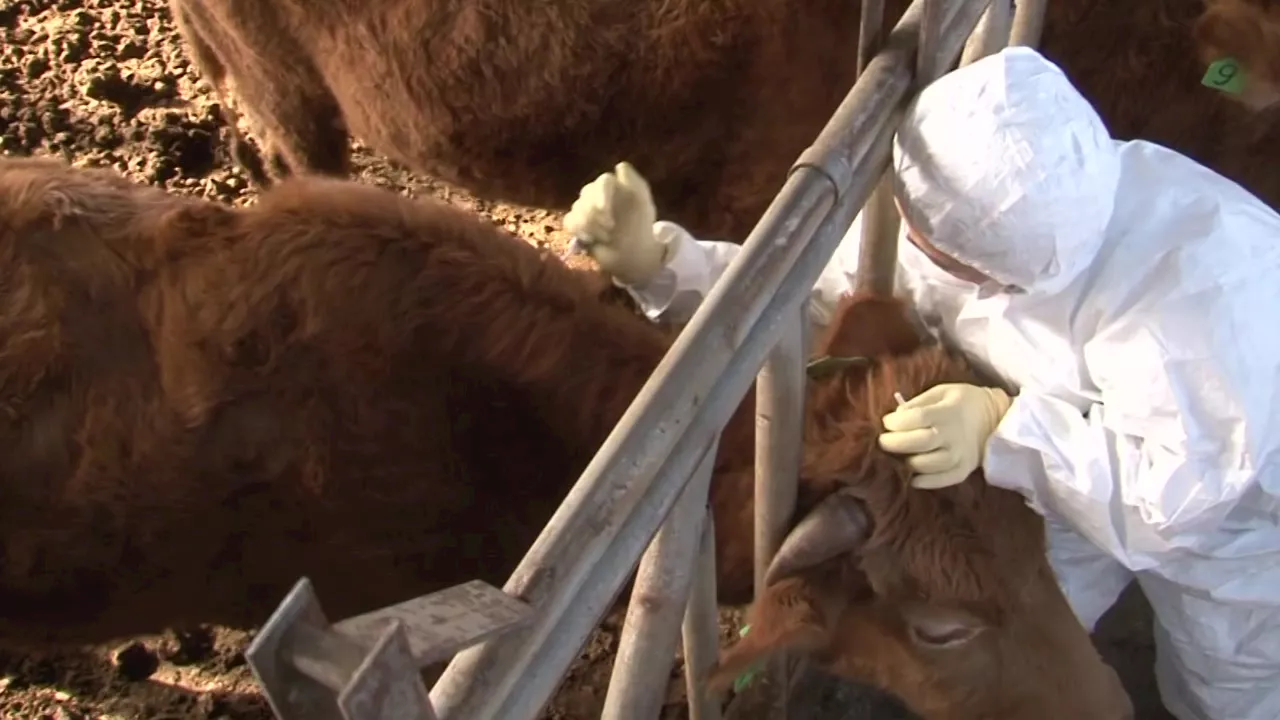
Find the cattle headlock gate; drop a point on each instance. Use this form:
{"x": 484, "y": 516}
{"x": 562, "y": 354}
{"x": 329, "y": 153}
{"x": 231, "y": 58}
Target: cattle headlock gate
{"x": 643, "y": 498}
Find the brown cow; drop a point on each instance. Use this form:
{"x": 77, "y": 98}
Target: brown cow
{"x": 527, "y": 101}
{"x": 1249, "y": 32}
{"x": 944, "y": 598}
{"x": 202, "y": 403}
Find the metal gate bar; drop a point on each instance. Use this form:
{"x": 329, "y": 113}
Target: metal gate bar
{"x": 1028, "y": 22}
{"x": 992, "y": 32}
{"x": 701, "y": 628}
{"x": 646, "y": 651}
{"x": 780, "y": 400}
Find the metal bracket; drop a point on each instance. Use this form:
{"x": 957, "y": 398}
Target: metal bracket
{"x": 368, "y": 667}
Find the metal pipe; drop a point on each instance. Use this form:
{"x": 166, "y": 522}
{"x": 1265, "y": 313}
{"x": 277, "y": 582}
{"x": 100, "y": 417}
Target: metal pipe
{"x": 881, "y": 224}
{"x": 868, "y": 107}
{"x": 932, "y": 62}
{"x": 870, "y": 32}
{"x": 481, "y": 680}
{"x": 878, "y": 251}
{"x": 928, "y": 63}
{"x": 1028, "y": 23}
{"x": 659, "y": 598}
{"x": 701, "y": 628}
{"x": 780, "y": 387}
{"x": 552, "y": 659}
{"x": 992, "y": 32}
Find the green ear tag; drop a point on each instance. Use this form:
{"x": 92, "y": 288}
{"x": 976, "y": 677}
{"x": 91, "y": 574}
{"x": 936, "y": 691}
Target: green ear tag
{"x": 1224, "y": 74}
{"x": 745, "y": 678}
{"x": 825, "y": 365}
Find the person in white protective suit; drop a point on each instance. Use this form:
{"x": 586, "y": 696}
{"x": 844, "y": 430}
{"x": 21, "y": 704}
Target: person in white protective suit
{"x": 1130, "y": 295}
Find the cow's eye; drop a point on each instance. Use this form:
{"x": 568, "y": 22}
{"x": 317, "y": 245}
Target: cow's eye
{"x": 938, "y": 627}
{"x": 942, "y": 637}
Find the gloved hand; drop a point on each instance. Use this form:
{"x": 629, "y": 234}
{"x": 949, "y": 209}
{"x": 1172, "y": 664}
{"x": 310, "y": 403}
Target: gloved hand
{"x": 613, "y": 220}
{"x": 944, "y": 429}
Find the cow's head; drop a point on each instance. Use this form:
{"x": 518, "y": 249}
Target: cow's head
{"x": 1247, "y": 31}
{"x": 944, "y": 598}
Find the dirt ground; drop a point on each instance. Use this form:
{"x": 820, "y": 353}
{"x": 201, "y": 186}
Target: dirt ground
{"x": 106, "y": 83}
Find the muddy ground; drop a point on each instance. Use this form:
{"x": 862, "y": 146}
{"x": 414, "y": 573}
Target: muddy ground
{"x": 106, "y": 83}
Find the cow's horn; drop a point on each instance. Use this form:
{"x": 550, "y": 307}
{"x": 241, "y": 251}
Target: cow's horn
{"x": 837, "y": 525}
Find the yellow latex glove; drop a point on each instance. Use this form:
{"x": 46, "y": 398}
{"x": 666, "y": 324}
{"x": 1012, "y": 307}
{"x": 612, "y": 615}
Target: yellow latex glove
{"x": 613, "y": 220}
{"x": 944, "y": 429}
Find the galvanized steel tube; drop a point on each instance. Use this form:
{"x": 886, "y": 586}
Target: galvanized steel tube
{"x": 928, "y": 61}
{"x": 701, "y": 628}
{"x": 992, "y": 33}
{"x": 1028, "y": 22}
{"x": 646, "y": 650}
{"x": 552, "y": 659}
{"x": 780, "y": 389}
{"x": 870, "y": 32}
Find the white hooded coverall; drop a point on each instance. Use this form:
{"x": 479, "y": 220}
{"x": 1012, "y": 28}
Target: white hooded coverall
{"x": 1136, "y": 308}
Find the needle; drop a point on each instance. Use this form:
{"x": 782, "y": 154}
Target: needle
{"x": 575, "y": 247}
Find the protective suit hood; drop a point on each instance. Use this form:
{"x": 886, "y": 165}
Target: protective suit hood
{"x": 1003, "y": 166}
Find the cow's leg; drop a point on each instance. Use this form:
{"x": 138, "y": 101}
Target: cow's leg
{"x": 248, "y": 49}
{"x": 303, "y": 128}
{"x": 291, "y": 107}
{"x": 214, "y": 71}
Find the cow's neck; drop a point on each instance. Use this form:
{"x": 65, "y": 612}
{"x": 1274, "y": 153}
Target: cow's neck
{"x": 603, "y": 356}
{"x": 543, "y": 329}
{"x": 607, "y": 357}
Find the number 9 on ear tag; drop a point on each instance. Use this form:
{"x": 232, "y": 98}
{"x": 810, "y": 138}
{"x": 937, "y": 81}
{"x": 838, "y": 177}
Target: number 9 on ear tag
{"x": 1225, "y": 74}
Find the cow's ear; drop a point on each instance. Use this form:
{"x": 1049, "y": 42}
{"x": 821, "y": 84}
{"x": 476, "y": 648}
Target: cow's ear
{"x": 1232, "y": 27}
{"x": 790, "y": 616}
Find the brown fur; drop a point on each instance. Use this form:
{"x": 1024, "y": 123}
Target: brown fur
{"x": 529, "y": 101}
{"x": 1249, "y": 31}
{"x": 201, "y": 404}
{"x": 966, "y": 562}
